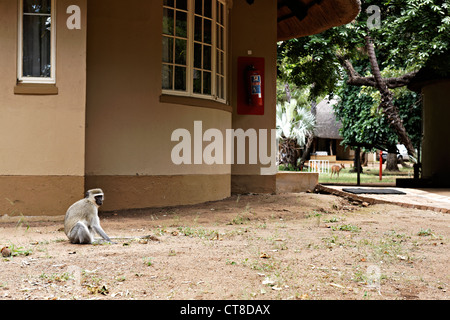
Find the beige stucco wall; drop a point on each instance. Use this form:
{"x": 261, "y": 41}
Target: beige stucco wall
{"x": 128, "y": 128}
{"x": 109, "y": 126}
{"x": 42, "y": 136}
{"x": 128, "y": 134}
{"x": 261, "y": 40}
{"x": 436, "y": 114}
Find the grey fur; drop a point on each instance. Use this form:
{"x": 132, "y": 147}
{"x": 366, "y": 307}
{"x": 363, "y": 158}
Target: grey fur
{"x": 82, "y": 222}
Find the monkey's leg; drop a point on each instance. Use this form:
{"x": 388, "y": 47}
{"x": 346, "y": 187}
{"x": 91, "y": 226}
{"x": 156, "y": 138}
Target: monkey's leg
{"x": 80, "y": 234}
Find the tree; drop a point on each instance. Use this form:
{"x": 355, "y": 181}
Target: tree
{"x": 364, "y": 125}
{"x": 413, "y": 33}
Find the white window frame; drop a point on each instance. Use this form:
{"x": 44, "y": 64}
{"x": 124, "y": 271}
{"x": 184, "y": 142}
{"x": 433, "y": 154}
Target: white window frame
{"x": 20, "y": 77}
{"x": 190, "y": 56}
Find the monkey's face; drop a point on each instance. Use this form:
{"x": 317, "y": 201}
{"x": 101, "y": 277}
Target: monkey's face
{"x": 99, "y": 200}
{"x": 95, "y": 196}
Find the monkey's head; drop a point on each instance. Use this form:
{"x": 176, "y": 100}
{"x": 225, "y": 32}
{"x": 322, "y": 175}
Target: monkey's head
{"x": 95, "y": 195}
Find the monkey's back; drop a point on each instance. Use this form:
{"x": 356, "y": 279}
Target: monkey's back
{"x": 79, "y": 211}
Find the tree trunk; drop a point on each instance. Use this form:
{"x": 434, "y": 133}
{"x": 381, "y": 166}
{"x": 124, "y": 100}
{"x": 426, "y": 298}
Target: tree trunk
{"x": 355, "y": 163}
{"x": 387, "y": 105}
{"x": 391, "y": 162}
{"x": 307, "y": 150}
{"x": 310, "y": 142}
{"x": 364, "y": 159}
{"x": 289, "y": 152}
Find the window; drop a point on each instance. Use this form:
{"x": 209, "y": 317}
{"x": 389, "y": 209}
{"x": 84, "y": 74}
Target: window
{"x": 194, "y": 48}
{"x": 36, "y": 56}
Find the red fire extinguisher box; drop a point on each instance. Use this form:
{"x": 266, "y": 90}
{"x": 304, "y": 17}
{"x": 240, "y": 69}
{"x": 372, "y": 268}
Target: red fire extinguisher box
{"x": 250, "y": 85}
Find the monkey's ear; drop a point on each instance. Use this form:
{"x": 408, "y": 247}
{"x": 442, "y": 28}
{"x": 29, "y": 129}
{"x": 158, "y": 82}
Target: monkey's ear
{"x": 86, "y": 194}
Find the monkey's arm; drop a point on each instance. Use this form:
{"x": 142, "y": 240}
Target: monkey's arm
{"x": 102, "y": 233}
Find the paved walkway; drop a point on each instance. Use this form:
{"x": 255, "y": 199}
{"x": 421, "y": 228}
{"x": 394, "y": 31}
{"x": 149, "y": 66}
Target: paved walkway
{"x": 425, "y": 199}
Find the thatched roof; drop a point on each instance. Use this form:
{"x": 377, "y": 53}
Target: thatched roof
{"x": 299, "y": 18}
{"x": 436, "y": 70}
{"x": 326, "y": 124}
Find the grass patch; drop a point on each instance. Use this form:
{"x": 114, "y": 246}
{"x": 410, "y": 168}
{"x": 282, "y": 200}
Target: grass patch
{"x": 425, "y": 232}
{"x": 369, "y": 175}
{"x": 346, "y": 227}
{"x": 198, "y": 232}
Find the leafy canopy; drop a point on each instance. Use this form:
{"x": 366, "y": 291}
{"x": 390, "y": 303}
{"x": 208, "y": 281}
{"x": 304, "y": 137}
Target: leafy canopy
{"x": 413, "y": 33}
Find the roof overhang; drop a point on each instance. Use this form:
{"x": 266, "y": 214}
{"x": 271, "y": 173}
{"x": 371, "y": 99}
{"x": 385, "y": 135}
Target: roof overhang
{"x": 299, "y": 18}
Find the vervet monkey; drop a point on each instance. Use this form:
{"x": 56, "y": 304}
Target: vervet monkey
{"x": 82, "y": 222}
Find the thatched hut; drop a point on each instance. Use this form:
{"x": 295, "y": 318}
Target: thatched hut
{"x": 327, "y": 141}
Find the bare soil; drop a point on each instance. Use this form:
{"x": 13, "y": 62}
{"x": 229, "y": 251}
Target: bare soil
{"x": 289, "y": 246}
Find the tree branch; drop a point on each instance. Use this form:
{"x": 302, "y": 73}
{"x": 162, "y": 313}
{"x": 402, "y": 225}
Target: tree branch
{"x": 374, "y": 63}
{"x": 356, "y": 79}
{"x": 389, "y": 109}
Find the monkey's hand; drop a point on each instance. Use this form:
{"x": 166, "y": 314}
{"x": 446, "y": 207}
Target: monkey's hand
{"x": 103, "y": 241}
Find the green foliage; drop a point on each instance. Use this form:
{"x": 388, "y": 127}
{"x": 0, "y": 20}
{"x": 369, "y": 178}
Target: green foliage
{"x": 294, "y": 121}
{"x": 363, "y": 124}
{"x": 413, "y": 33}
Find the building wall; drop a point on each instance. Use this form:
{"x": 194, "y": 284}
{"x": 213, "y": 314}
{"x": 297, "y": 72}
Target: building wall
{"x": 130, "y": 123}
{"x": 41, "y": 134}
{"x": 436, "y": 114}
{"x": 254, "y": 27}
{"x": 106, "y": 124}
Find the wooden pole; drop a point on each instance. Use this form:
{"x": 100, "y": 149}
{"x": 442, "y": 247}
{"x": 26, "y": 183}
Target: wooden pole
{"x": 381, "y": 165}
{"x": 358, "y": 166}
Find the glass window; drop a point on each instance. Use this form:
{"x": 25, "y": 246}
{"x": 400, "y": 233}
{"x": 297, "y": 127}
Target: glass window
{"x": 174, "y": 47}
{"x": 36, "y": 38}
{"x": 194, "y": 48}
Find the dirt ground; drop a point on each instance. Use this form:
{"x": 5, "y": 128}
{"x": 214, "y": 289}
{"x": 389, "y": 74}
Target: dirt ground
{"x": 289, "y": 246}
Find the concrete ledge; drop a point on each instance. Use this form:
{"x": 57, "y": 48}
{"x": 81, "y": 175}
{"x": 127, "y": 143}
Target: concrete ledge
{"x": 353, "y": 197}
{"x": 253, "y": 184}
{"x": 291, "y": 181}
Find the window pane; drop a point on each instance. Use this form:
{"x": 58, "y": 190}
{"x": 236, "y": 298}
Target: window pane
{"x": 180, "y": 51}
{"x": 167, "y": 49}
{"x": 207, "y": 31}
{"x": 167, "y": 76}
{"x": 168, "y": 21}
{"x": 36, "y": 46}
{"x": 198, "y": 7}
{"x": 206, "y": 82}
{"x": 197, "y": 81}
{"x": 181, "y": 24}
{"x": 219, "y": 62}
{"x": 219, "y": 16}
{"x": 37, "y": 6}
{"x": 180, "y": 78}
{"x": 169, "y": 3}
{"x": 222, "y": 13}
{"x": 219, "y": 86}
{"x": 182, "y": 4}
{"x": 207, "y": 8}
{"x": 220, "y": 38}
{"x": 207, "y": 57}
{"x": 222, "y": 62}
{"x": 197, "y": 55}
{"x": 198, "y": 29}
